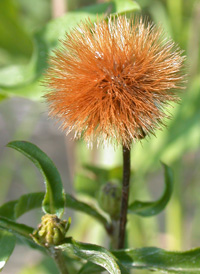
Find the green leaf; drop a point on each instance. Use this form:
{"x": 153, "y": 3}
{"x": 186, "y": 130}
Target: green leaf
{"x": 16, "y": 228}
{"x": 96, "y": 269}
{"x": 30, "y": 243}
{"x": 102, "y": 174}
{"x": 115, "y": 173}
{"x": 21, "y": 231}
{"x": 85, "y": 208}
{"x": 90, "y": 268}
{"x": 157, "y": 259}
{"x": 86, "y": 185}
{"x": 7, "y": 210}
{"x": 54, "y": 200}
{"x": 90, "y": 181}
{"x": 7, "y": 245}
{"x": 28, "y": 202}
{"x": 14, "y": 209}
{"x": 92, "y": 253}
{"x": 147, "y": 209}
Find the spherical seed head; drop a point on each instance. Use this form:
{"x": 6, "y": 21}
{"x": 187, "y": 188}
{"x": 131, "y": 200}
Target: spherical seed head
{"x": 111, "y": 80}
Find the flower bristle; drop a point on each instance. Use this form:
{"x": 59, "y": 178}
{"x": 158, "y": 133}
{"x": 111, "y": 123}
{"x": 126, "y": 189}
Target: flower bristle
{"x": 112, "y": 80}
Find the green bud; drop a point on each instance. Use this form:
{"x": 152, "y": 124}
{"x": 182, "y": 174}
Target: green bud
{"x": 109, "y": 199}
{"x": 51, "y": 231}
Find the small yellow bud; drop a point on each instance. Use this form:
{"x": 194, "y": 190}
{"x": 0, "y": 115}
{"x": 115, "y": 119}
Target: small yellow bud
{"x": 51, "y": 231}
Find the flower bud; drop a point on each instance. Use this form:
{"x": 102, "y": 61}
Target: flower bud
{"x": 51, "y": 231}
{"x": 110, "y": 199}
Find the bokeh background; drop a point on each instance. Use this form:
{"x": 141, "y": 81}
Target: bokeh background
{"x": 25, "y": 26}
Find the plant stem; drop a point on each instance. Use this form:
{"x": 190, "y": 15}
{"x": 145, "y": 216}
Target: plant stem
{"x": 59, "y": 259}
{"x": 114, "y": 235}
{"x": 125, "y": 195}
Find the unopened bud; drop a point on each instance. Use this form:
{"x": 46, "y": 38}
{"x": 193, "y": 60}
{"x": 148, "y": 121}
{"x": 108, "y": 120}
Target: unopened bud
{"x": 110, "y": 199}
{"x": 51, "y": 231}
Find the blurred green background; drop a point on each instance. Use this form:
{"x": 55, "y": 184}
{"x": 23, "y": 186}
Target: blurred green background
{"x": 29, "y": 30}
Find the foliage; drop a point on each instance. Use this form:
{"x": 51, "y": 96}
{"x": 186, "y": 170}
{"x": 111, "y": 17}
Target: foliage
{"x": 112, "y": 261}
{"x": 24, "y": 57}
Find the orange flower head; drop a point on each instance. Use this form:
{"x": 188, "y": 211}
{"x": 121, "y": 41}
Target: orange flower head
{"x": 112, "y": 79}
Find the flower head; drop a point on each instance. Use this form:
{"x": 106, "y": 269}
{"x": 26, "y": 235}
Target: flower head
{"x": 112, "y": 80}
{"x": 51, "y": 231}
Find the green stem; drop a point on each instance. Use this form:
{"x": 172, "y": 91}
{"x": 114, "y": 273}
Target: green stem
{"x": 125, "y": 196}
{"x": 114, "y": 235}
{"x": 59, "y": 259}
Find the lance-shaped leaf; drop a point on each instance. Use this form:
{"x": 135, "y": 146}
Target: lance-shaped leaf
{"x": 153, "y": 258}
{"x": 147, "y": 209}
{"x": 14, "y": 209}
{"x": 96, "y": 269}
{"x": 90, "y": 268}
{"x": 16, "y": 228}
{"x": 54, "y": 200}
{"x": 92, "y": 253}
{"x": 7, "y": 210}
{"x": 90, "y": 185}
{"x": 86, "y": 185}
{"x": 73, "y": 203}
{"x": 7, "y": 244}
{"x": 28, "y": 202}
{"x": 21, "y": 231}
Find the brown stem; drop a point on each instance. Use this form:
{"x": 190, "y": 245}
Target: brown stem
{"x": 125, "y": 195}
